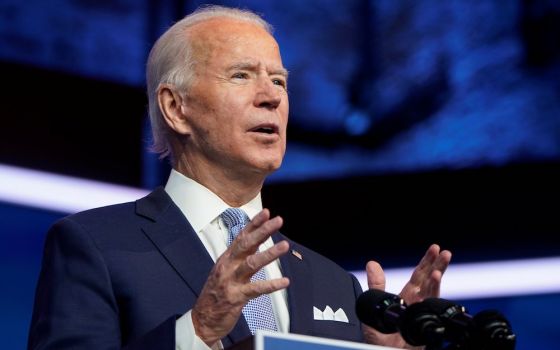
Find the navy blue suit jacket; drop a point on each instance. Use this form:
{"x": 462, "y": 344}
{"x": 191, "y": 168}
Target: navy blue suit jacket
{"x": 119, "y": 276}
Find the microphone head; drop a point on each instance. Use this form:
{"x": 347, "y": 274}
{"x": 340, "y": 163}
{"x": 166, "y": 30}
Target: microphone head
{"x": 459, "y": 325}
{"x": 493, "y": 331}
{"x": 380, "y": 310}
{"x": 420, "y": 325}
{"x": 441, "y": 306}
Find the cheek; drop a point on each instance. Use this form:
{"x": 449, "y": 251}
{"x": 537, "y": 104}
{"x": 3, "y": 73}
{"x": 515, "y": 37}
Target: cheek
{"x": 285, "y": 111}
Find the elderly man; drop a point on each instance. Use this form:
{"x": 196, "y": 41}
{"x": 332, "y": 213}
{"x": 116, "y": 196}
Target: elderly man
{"x": 199, "y": 263}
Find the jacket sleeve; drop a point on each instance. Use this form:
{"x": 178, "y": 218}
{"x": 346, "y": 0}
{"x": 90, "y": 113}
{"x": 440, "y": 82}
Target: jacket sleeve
{"x": 75, "y": 307}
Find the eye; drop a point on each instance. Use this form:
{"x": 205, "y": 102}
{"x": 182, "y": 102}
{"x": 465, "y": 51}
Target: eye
{"x": 279, "y": 82}
{"x": 240, "y": 75}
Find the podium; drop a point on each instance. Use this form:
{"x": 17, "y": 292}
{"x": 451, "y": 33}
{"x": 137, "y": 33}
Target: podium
{"x": 267, "y": 340}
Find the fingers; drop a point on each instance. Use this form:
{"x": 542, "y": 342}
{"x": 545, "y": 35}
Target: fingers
{"x": 375, "y": 275}
{"x": 432, "y": 288}
{"x": 432, "y": 260}
{"x": 442, "y": 261}
{"x": 426, "y": 265}
{"x": 255, "y": 262}
{"x": 243, "y": 257}
{"x": 229, "y": 287}
{"x": 254, "y": 234}
{"x": 426, "y": 279}
{"x": 257, "y": 288}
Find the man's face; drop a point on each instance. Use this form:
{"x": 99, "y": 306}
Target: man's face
{"x": 237, "y": 107}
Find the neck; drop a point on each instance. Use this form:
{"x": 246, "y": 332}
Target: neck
{"x": 234, "y": 189}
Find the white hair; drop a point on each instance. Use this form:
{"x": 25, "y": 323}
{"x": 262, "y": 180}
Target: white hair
{"x": 171, "y": 62}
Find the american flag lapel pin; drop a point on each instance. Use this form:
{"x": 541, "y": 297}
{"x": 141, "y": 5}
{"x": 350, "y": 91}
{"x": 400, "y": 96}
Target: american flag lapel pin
{"x": 297, "y": 254}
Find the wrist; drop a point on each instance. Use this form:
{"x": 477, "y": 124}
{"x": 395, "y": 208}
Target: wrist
{"x": 206, "y": 334}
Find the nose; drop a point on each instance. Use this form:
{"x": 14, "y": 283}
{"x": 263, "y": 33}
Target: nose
{"x": 268, "y": 95}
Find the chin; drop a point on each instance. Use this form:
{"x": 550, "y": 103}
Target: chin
{"x": 267, "y": 167}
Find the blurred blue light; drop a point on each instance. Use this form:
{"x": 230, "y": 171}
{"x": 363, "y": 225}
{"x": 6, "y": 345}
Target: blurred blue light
{"x": 357, "y": 123}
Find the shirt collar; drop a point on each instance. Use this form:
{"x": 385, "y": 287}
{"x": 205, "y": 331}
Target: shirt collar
{"x": 200, "y": 205}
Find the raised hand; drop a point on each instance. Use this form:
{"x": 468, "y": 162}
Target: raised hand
{"x": 424, "y": 283}
{"x": 228, "y": 287}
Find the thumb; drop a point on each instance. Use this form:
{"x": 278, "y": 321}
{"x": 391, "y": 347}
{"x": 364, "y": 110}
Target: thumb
{"x": 375, "y": 275}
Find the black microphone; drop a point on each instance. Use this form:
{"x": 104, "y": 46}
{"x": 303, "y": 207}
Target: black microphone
{"x": 420, "y": 325}
{"x": 380, "y": 310}
{"x": 459, "y": 325}
{"x": 435, "y": 322}
{"x": 487, "y": 330}
{"x": 388, "y": 313}
{"x": 492, "y": 332}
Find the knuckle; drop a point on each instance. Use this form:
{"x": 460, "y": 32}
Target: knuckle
{"x": 251, "y": 263}
{"x": 218, "y": 270}
{"x": 242, "y": 243}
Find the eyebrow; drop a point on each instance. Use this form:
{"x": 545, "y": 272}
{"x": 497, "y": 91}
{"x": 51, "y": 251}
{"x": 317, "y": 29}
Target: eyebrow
{"x": 253, "y": 66}
{"x": 282, "y": 71}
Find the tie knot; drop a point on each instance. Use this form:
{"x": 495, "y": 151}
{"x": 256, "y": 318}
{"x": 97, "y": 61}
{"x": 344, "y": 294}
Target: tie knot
{"x": 235, "y": 219}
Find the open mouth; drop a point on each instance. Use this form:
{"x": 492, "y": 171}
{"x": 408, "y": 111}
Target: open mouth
{"x": 265, "y": 129}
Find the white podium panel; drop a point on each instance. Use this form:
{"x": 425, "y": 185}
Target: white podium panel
{"x": 265, "y": 340}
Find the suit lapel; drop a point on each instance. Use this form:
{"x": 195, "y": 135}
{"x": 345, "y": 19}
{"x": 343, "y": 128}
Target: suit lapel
{"x": 300, "y": 291}
{"x": 176, "y": 240}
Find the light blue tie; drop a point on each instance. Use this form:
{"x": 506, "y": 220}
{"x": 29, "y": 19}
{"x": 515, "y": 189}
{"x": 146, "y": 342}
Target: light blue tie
{"x": 258, "y": 311}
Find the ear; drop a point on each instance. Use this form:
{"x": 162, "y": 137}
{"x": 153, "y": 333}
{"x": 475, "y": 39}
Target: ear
{"x": 170, "y": 103}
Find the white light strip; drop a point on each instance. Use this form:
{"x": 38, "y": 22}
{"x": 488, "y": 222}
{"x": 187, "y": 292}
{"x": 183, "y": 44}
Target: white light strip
{"x": 461, "y": 281}
{"x": 60, "y": 193}
{"x": 486, "y": 280}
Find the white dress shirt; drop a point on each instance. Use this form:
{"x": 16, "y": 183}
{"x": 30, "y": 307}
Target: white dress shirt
{"x": 203, "y": 208}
